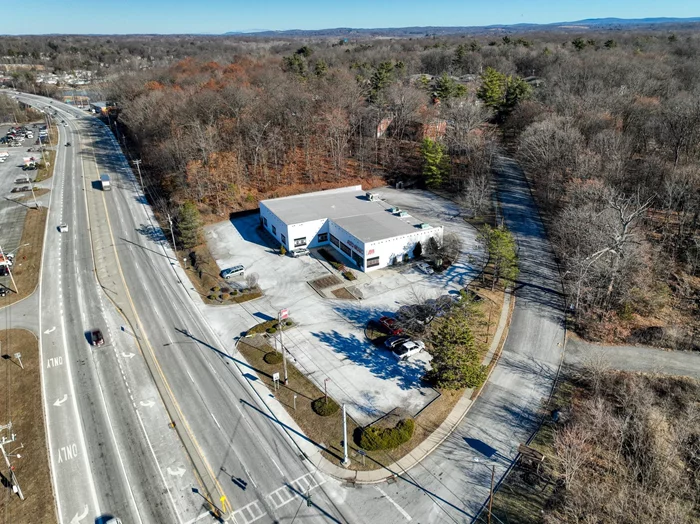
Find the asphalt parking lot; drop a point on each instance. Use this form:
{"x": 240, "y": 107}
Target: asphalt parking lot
{"x": 329, "y": 340}
{"x": 12, "y": 213}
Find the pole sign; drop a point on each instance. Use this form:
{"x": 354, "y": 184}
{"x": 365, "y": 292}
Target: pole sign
{"x": 284, "y": 314}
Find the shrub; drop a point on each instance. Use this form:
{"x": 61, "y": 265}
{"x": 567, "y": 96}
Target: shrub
{"x": 350, "y": 275}
{"x": 323, "y": 408}
{"x": 215, "y": 289}
{"x": 283, "y": 250}
{"x": 225, "y": 290}
{"x": 271, "y": 330}
{"x": 212, "y": 297}
{"x": 234, "y": 292}
{"x": 288, "y": 323}
{"x": 374, "y": 438}
{"x": 221, "y": 296}
{"x": 272, "y": 358}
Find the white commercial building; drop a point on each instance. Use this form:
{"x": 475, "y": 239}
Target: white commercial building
{"x": 367, "y": 232}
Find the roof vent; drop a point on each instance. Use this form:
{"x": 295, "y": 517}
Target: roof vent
{"x": 395, "y": 210}
{"x": 372, "y": 197}
{"x": 403, "y": 214}
{"x": 424, "y": 225}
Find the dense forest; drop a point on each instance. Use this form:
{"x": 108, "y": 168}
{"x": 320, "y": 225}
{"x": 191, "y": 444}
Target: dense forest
{"x": 605, "y": 125}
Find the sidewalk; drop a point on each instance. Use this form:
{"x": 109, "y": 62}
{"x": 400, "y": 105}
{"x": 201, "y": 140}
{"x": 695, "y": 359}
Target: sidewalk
{"x": 313, "y": 452}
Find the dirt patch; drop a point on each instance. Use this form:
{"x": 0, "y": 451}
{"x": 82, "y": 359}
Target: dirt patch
{"x": 325, "y": 282}
{"x": 28, "y": 257}
{"x": 327, "y": 432}
{"x": 344, "y": 294}
{"x": 20, "y": 391}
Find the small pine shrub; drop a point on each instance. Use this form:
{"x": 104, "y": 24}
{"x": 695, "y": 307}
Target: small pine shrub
{"x": 234, "y": 292}
{"x": 323, "y": 408}
{"x": 271, "y": 330}
{"x": 288, "y": 323}
{"x": 212, "y": 297}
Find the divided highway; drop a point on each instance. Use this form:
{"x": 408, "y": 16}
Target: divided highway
{"x": 108, "y": 454}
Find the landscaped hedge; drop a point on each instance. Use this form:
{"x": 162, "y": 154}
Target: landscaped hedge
{"x": 272, "y": 357}
{"x": 323, "y": 408}
{"x": 373, "y": 438}
{"x": 349, "y": 275}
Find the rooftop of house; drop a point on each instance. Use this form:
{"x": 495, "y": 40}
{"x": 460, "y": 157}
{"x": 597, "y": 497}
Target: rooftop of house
{"x": 350, "y": 208}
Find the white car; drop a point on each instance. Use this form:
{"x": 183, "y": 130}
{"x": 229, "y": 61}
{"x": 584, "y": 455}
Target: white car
{"x": 300, "y": 252}
{"x": 425, "y": 268}
{"x": 63, "y": 228}
{"x": 408, "y": 349}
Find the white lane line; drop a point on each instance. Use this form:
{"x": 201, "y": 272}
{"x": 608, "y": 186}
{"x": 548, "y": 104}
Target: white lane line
{"x": 399, "y": 508}
{"x": 188, "y": 374}
{"x": 216, "y": 421}
{"x": 160, "y": 472}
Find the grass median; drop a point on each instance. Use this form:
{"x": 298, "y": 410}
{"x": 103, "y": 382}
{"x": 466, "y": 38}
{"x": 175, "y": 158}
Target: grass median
{"x": 21, "y": 404}
{"x": 27, "y": 263}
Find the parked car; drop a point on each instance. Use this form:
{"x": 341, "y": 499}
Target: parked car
{"x": 231, "y": 272}
{"x": 425, "y": 268}
{"x": 300, "y": 252}
{"x": 392, "y": 342}
{"x": 408, "y": 349}
{"x": 96, "y": 338}
{"x": 391, "y": 325}
{"x": 3, "y": 291}
{"x": 63, "y": 228}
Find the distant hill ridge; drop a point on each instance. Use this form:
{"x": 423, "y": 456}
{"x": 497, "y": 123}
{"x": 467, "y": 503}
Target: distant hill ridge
{"x": 590, "y": 24}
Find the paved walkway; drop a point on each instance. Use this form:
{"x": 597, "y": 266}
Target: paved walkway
{"x": 635, "y": 358}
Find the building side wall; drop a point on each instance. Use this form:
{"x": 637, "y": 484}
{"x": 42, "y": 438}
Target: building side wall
{"x": 346, "y": 242}
{"x": 392, "y": 250}
{"x": 309, "y": 232}
{"x": 274, "y": 226}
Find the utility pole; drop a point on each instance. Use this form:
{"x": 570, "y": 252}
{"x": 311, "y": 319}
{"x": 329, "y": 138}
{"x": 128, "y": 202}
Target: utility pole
{"x": 493, "y": 474}
{"x": 6, "y": 456}
{"x": 282, "y": 314}
{"x": 172, "y": 232}
{"x": 137, "y": 163}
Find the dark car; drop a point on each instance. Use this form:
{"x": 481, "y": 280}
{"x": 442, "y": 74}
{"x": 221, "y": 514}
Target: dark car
{"x": 67, "y": 144}
{"x": 391, "y": 325}
{"x": 96, "y": 338}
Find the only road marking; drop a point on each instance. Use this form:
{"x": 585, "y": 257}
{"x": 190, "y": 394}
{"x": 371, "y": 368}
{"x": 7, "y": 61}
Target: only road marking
{"x": 60, "y": 401}
{"x": 77, "y": 518}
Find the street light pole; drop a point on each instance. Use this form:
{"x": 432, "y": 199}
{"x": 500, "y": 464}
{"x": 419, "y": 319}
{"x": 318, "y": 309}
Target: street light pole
{"x": 346, "y": 461}
{"x": 493, "y": 476}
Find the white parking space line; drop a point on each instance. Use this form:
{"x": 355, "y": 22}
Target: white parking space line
{"x": 394, "y": 503}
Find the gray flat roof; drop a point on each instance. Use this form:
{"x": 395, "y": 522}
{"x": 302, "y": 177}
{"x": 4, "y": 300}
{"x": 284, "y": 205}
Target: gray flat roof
{"x": 349, "y": 208}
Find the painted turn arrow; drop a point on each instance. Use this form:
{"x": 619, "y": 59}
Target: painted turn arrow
{"x": 50, "y": 330}
{"x": 128, "y": 355}
{"x": 59, "y": 402}
{"x": 147, "y": 403}
{"x": 78, "y": 518}
{"x": 179, "y": 472}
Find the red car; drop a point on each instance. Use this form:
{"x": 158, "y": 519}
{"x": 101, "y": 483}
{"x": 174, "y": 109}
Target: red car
{"x": 391, "y": 325}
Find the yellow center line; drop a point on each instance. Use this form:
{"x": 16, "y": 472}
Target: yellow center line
{"x": 155, "y": 360}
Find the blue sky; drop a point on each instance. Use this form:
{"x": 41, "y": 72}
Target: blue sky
{"x": 219, "y": 16}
